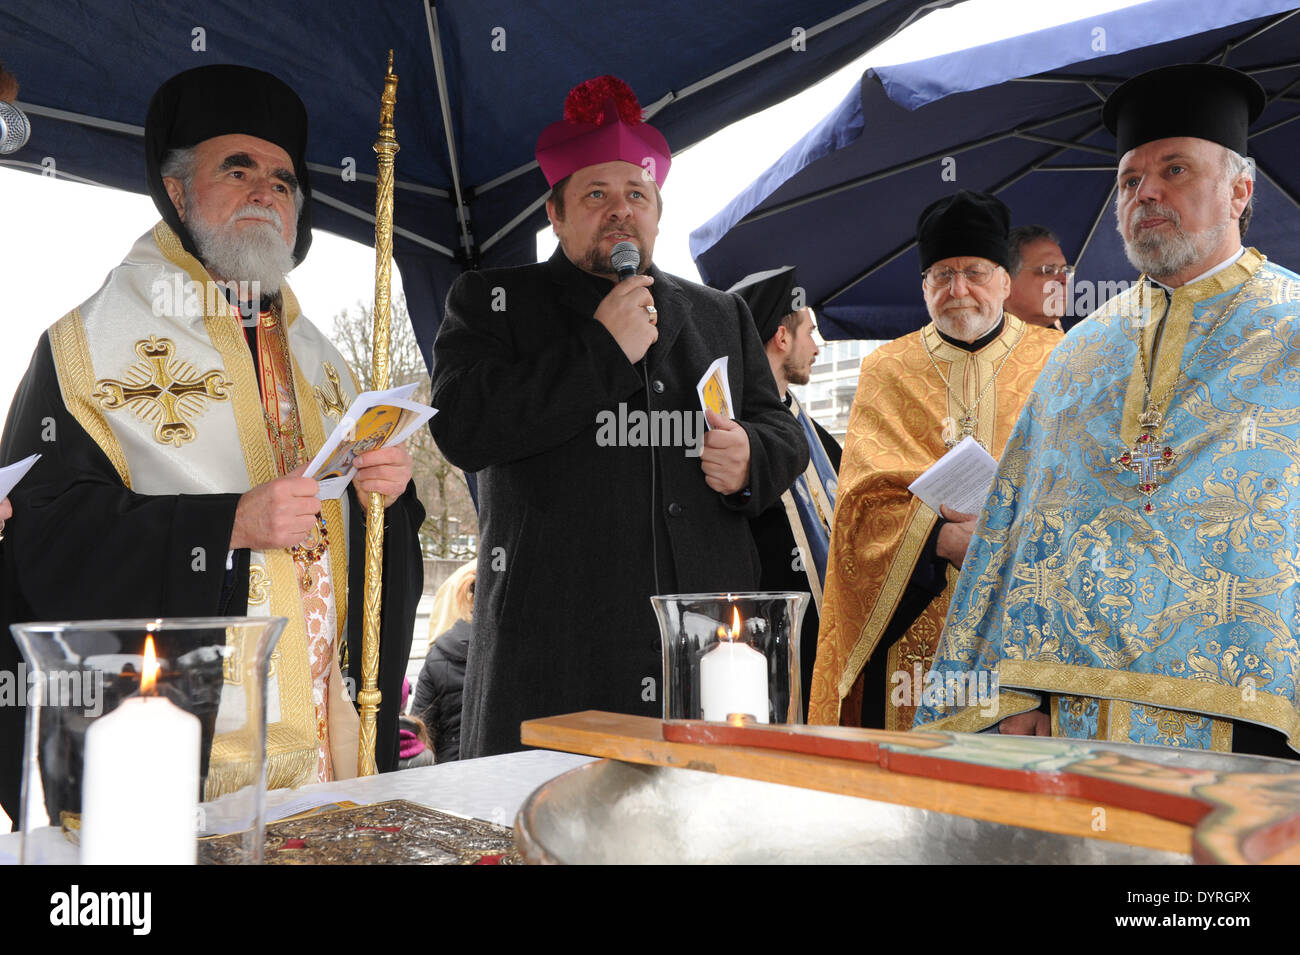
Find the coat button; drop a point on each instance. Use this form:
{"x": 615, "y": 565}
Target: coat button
{"x": 674, "y": 509}
{"x": 658, "y": 386}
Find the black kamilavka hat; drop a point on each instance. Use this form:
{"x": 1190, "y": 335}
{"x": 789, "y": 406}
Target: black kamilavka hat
{"x": 1191, "y": 99}
{"x": 965, "y": 224}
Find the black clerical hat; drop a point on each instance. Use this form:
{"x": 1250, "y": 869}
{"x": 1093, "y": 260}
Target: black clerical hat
{"x": 965, "y": 224}
{"x": 771, "y": 296}
{"x": 218, "y": 100}
{"x": 1192, "y": 99}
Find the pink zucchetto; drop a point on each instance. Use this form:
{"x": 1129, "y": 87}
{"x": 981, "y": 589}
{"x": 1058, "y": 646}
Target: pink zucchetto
{"x": 602, "y": 122}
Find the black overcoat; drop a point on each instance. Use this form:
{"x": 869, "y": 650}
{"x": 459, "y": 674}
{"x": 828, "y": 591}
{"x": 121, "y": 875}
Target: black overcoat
{"x": 576, "y": 530}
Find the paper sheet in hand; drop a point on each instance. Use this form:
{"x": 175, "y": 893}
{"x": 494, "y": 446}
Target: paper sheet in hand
{"x": 376, "y": 419}
{"x": 715, "y": 390}
{"x": 960, "y": 479}
{"x": 10, "y": 476}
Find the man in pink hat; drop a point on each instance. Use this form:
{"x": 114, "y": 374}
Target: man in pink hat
{"x": 572, "y": 392}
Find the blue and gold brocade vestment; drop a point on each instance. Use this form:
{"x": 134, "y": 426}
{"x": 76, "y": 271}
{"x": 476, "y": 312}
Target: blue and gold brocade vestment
{"x": 1148, "y": 625}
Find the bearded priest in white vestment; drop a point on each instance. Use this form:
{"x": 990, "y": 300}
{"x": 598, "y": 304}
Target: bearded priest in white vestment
{"x": 175, "y": 411}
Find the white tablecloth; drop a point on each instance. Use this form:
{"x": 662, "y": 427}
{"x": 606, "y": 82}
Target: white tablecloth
{"x": 492, "y": 788}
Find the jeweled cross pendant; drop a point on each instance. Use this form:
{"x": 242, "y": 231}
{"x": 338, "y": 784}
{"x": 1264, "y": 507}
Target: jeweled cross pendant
{"x": 1147, "y": 459}
{"x": 967, "y": 431}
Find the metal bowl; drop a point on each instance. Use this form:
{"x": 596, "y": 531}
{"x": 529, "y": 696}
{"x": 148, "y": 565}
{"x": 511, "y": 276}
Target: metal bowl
{"x": 612, "y": 812}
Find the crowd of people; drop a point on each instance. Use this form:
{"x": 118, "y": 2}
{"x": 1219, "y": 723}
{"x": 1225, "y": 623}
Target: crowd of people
{"x": 1131, "y": 577}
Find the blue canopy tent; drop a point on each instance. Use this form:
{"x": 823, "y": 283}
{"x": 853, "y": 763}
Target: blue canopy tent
{"x": 1020, "y": 118}
{"x": 479, "y": 80}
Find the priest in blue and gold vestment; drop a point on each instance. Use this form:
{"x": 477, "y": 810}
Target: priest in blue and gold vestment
{"x": 1134, "y": 574}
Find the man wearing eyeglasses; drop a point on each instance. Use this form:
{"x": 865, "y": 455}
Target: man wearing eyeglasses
{"x": 893, "y": 561}
{"x": 1040, "y": 277}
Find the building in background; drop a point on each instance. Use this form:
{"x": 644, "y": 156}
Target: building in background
{"x": 834, "y": 380}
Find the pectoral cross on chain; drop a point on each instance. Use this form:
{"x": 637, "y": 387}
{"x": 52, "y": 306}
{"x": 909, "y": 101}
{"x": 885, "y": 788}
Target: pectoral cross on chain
{"x": 1147, "y": 458}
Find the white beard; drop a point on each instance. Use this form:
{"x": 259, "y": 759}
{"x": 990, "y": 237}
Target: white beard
{"x": 255, "y": 254}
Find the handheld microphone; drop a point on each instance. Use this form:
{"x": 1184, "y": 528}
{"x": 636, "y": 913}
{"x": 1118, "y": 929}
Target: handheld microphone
{"x": 625, "y": 259}
{"x": 15, "y": 129}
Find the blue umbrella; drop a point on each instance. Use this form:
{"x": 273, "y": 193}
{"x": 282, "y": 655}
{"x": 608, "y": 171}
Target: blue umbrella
{"x": 1020, "y": 118}
{"x": 479, "y": 80}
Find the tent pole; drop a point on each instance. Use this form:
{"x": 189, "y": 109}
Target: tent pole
{"x": 435, "y": 44}
{"x": 366, "y": 177}
{"x": 1078, "y": 167}
{"x": 1276, "y": 185}
{"x": 1050, "y": 141}
{"x": 80, "y": 118}
{"x": 1233, "y": 44}
{"x": 369, "y": 217}
{"x": 1034, "y": 166}
{"x": 1272, "y": 126}
{"x": 1101, "y": 213}
{"x": 509, "y": 227}
{"x": 875, "y": 267}
{"x": 96, "y": 122}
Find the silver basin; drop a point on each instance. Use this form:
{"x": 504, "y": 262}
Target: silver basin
{"x": 612, "y": 812}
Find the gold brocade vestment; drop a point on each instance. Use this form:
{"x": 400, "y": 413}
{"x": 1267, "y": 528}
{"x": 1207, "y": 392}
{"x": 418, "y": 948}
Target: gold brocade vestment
{"x": 901, "y": 415}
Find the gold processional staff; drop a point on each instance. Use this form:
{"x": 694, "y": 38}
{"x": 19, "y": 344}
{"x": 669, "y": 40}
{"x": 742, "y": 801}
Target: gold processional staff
{"x": 385, "y": 149}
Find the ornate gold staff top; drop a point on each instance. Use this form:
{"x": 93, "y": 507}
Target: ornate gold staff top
{"x": 369, "y": 697}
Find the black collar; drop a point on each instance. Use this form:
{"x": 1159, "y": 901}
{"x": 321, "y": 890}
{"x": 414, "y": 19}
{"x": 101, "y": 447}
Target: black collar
{"x": 980, "y": 342}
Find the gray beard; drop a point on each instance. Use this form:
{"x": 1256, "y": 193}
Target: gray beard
{"x": 1163, "y": 256}
{"x": 256, "y": 255}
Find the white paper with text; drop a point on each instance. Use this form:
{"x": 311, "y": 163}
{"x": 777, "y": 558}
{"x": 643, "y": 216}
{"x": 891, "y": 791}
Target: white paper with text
{"x": 960, "y": 479}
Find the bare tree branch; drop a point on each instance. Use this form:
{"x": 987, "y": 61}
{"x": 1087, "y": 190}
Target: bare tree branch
{"x": 450, "y": 526}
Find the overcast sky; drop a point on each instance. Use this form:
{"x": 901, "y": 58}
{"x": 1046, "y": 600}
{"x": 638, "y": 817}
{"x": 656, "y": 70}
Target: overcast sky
{"x": 61, "y": 238}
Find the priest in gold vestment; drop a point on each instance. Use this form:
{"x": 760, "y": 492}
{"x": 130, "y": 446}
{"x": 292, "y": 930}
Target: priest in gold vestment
{"x": 1136, "y": 576}
{"x": 175, "y": 410}
{"x": 893, "y": 560}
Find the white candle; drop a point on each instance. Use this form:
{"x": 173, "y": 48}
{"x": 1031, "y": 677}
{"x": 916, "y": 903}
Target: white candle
{"x": 733, "y": 679}
{"x": 140, "y": 789}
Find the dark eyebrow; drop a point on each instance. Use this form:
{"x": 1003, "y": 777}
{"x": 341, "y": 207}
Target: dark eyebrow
{"x": 238, "y": 161}
{"x": 245, "y": 161}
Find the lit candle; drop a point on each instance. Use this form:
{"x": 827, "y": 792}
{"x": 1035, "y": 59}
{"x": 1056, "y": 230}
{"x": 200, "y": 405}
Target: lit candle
{"x": 140, "y": 791}
{"x": 733, "y": 677}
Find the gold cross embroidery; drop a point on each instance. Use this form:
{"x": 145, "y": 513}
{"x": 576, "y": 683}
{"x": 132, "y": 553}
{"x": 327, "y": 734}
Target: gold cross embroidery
{"x": 330, "y": 398}
{"x": 163, "y": 390}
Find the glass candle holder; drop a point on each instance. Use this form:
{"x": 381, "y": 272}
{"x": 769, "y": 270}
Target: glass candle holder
{"x": 128, "y": 760}
{"x": 731, "y": 656}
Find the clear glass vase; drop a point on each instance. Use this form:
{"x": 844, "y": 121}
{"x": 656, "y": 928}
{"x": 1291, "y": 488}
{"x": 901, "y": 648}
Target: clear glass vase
{"x": 119, "y": 771}
{"x": 731, "y": 656}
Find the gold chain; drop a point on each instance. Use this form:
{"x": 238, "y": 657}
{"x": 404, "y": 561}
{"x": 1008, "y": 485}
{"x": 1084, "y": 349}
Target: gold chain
{"x": 967, "y": 428}
{"x": 1152, "y": 416}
